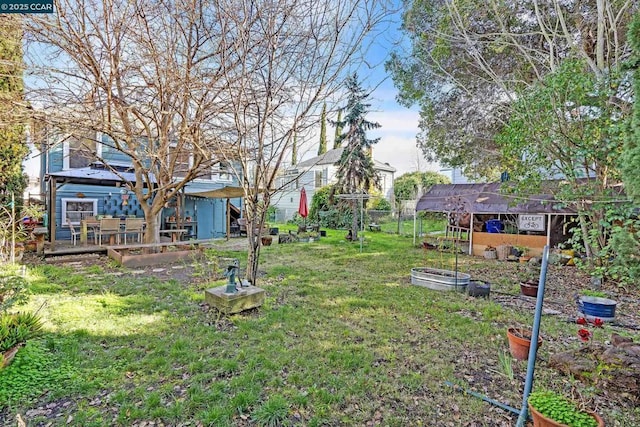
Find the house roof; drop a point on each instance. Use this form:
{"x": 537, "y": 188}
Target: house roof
{"x": 486, "y": 198}
{"x": 95, "y": 176}
{"x": 332, "y": 157}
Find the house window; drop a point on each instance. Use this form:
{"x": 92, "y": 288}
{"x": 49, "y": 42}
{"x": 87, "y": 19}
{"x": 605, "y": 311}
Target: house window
{"x": 222, "y": 172}
{"x": 78, "y": 209}
{"x": 80, "y": 151}
{"x": 318, "y": 179}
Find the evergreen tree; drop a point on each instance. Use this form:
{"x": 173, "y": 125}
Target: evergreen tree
{"x": 631, "y": 157}
{"x": 356, "y": 173}
{"x": 336, "y": 138}
{"x": 12, "y": 145}
{"x": 323, "y": 131}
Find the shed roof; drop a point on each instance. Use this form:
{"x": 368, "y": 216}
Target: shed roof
{"x": 486, "y": 198}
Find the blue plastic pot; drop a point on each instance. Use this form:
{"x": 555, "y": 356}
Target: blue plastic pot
{"x": 597, "y": 308}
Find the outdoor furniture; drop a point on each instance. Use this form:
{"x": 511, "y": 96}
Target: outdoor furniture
{"x": 242, "y": 223}
{"x": 234, "y": 229}
{"x": 89, "y": 226}
{"x": 74, "y": 233}
{"x": 374, "y": 227}
{"x": 109, "y": 227}
{"x": 175, "y": 233}
{"x": 135, "y": 227}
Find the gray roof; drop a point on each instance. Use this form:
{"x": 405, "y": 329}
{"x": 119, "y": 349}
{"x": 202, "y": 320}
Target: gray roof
{"x": 332, "y": 157}
{"x": 485, "y": 198}
{"x": 95, "y": 176}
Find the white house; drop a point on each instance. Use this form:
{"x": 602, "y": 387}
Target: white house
{"x": 315, "y": 173}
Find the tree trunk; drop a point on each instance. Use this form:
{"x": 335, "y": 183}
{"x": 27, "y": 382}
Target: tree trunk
{"x": 354, "y": 222}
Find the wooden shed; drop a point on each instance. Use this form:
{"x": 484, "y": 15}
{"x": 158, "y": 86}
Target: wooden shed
{"x": 482, "y": 215}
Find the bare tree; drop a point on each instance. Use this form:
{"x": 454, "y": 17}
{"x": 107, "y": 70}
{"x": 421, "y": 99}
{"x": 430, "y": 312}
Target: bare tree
{"x": 143, "y": 74}
{"x": 295, "y": 56}
{"x": 226, "y": 80}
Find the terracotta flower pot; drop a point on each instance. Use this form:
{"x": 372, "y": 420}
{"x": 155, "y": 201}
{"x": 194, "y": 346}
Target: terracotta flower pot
{"x": 540, "y": 420}
{"x": 529, "y": 289}
{"x": 519, "y": 342}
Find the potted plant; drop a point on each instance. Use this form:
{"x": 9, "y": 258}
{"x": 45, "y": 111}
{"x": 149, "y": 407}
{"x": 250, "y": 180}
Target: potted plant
{"x": 520, "y": 341}
{"x": 303, "y": 236}
{"x": 550, "y": 409}
{"x": 529, "y": 277}
{"x": 490, "y": 252}
{"x": 524, "y": 254}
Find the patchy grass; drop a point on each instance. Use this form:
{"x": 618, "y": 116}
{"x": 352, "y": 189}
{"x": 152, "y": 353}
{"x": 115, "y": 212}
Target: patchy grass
{"x": 342, "y": 339}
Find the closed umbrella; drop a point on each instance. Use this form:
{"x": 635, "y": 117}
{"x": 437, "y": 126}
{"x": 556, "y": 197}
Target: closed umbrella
{"x": 303, "y": 210}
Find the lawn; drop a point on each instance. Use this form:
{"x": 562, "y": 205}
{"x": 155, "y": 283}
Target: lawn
{"x": 342, "y": 340}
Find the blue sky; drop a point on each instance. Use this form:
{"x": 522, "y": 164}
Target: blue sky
{"x": 397, "y": 144}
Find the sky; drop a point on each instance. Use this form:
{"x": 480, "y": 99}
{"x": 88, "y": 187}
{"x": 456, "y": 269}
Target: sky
{"x": 399, "y": 124}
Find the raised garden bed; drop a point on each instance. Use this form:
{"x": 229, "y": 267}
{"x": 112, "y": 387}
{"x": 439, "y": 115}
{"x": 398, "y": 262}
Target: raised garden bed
{"x": 439, "y": 280}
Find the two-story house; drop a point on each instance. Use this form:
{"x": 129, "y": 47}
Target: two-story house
{"x": 83, "y": 178}
{"x": 315, "y": 173}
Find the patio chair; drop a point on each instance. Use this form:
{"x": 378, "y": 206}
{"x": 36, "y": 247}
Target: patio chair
{"x": 74, "y": 233}
{"x": 109, "y": 227}
{"x": 242, "y": 223}
{"x": 135, "y": 227}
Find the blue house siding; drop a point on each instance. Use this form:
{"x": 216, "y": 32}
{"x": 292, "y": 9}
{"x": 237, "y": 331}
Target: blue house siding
{"x": 108, "y": 199}
{"x": 209, "y": 214}
{"x": 55, "y": 158}
{"x": 110, "y": 154}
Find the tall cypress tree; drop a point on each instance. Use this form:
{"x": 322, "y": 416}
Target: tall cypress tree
{"x": 322, "y": 148}
{"x": 336, "y": 138}
{"x": 356, "y": 171}
{"x": 12, "y": 143}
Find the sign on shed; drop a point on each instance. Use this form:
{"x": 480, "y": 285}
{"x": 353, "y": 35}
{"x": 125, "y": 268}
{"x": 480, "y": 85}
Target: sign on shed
{"x": 531, "y": 222}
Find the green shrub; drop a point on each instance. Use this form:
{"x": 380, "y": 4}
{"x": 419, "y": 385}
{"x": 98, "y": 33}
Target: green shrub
{"x": 18, "y": 328}
{"x": 13, "y": 290}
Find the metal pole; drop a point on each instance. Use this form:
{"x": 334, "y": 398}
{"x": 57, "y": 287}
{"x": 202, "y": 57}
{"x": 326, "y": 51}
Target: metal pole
{"x": 483, "y": 397}
{"x": 414, "y": 227}
{"x": 531, "y": 363}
